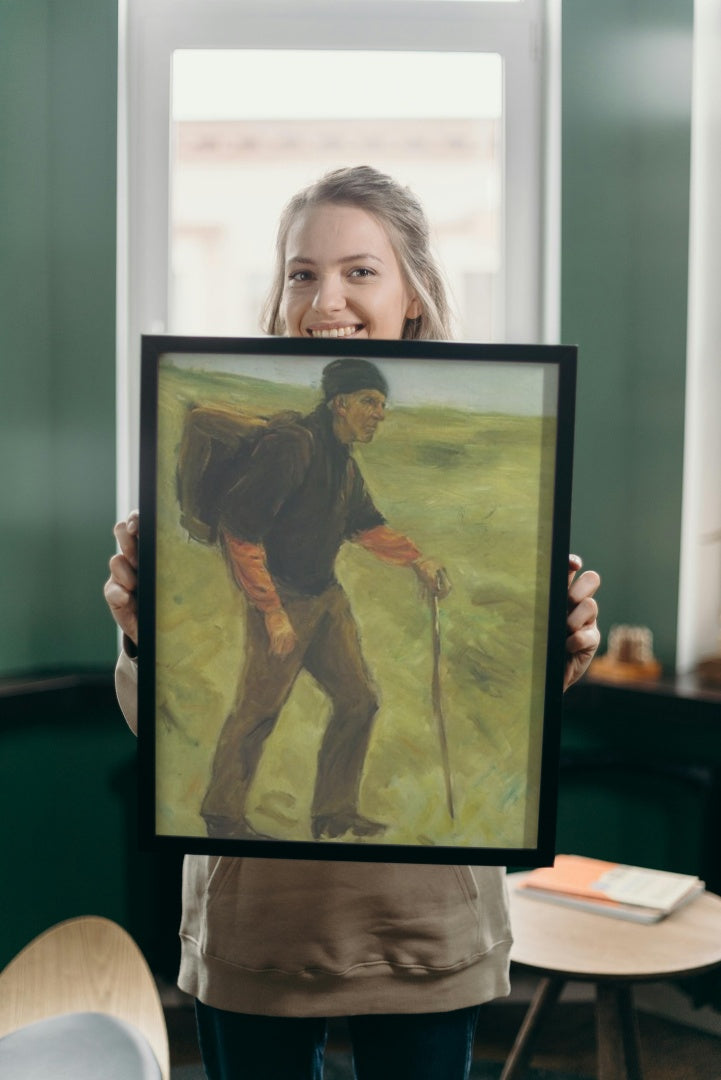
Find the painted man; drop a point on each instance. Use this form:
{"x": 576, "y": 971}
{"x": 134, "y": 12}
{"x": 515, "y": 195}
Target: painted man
{"x": 282, "y": 527}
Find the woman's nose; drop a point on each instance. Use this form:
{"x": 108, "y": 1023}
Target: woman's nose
{"x": 329, "y": 295}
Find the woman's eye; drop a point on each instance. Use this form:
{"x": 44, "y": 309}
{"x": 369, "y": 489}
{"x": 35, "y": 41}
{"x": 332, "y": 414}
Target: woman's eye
{"x": 362, "y": 272}
{"x": 300, "y": 276}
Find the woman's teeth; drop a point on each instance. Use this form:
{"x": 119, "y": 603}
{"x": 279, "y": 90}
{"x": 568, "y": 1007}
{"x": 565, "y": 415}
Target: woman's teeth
{"x": 336, "y": 332}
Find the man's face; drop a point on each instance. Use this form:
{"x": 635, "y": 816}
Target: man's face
{"x": 357, "y": 415}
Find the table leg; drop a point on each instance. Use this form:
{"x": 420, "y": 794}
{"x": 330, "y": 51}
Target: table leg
{"x": 545, "y": 997}
{"x": 617, "y": 1033}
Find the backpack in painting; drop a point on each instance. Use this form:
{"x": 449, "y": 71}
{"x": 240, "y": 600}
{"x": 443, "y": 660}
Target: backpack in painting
{"x": 216, "y": 447}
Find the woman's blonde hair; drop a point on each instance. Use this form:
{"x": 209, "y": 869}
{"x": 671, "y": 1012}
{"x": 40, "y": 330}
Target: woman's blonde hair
{"x": 403, "y": 217}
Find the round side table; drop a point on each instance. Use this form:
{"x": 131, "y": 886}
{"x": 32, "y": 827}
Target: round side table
{"x": 563, "y": 944}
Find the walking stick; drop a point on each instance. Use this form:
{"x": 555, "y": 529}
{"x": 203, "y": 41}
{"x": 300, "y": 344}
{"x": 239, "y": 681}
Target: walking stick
{"x": 437, "y": 704}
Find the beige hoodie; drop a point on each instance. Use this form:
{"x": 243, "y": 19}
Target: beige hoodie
{"x": 284, "y": 937}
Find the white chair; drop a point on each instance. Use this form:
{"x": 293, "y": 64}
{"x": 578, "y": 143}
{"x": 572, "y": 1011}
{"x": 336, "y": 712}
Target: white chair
{"x": 80, "y": 1002}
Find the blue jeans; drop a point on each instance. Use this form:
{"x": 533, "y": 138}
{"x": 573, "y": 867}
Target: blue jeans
{"x": 414, "y": 1046}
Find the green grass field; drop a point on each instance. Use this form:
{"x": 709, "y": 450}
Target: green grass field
{"x": 465, "y": 486}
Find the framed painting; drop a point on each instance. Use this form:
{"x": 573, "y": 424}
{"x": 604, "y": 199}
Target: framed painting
{"x": 352, "y": 597}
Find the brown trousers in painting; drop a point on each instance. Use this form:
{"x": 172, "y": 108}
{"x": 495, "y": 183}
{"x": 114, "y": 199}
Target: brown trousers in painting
{"x": 329, "y": 649}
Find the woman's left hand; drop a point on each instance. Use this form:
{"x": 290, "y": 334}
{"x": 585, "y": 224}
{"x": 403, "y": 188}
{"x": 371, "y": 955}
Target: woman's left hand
{"x": 582, "y": 634}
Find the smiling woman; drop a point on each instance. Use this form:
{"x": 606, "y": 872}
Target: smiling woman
{"x": 331, "y": 290}
{"x": 353, "y": 259}
{"x": 292, "y": 941}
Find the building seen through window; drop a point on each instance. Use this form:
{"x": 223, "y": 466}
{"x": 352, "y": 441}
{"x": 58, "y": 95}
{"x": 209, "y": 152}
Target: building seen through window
{"x": 233, "y": 171}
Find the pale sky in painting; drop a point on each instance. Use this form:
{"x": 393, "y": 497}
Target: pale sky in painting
{"x": 511, "y": 387}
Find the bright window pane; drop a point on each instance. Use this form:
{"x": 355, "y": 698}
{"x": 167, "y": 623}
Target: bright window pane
{"x": 467, "y": 1}
{"x": 252, "y": 127}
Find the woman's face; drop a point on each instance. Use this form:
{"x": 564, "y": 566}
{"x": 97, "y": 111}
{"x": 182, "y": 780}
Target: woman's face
{"x": 342, "y": 277}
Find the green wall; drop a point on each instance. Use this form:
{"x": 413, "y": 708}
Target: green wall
{"x": 67, "y": 764}
{"x": 58, "y": 72}
{"x": 626, "y": 146}
{"x": 68, "y": 798}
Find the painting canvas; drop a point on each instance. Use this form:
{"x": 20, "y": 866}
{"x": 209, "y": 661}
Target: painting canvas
{"x": 353, "y": 567}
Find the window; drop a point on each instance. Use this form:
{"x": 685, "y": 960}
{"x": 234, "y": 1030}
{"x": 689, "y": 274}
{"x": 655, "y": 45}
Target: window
{"x": 227, "y": 107}
{"x": 235, "y": 161}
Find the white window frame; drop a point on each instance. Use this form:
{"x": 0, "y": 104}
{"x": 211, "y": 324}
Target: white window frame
{"x": 699, "y": 597}
{"x": 526, "y": 34}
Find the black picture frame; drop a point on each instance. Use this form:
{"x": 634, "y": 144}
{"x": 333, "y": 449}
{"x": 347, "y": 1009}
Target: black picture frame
{"x": 474, "y": 464}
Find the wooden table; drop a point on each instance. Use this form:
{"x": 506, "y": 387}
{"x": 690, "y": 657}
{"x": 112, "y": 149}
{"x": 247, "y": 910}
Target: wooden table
{"x": 563, "y": 944}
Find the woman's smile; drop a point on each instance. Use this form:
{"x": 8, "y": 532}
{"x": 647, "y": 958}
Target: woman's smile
{"x": 334, "y": 331}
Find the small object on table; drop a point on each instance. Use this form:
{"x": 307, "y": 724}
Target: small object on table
{"x": 629, "y": 657}
{"x": 709, "y": 670}
{"x": 609, "y": 888}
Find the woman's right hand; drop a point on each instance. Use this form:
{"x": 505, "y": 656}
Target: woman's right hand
{"x": 121, "y": 587}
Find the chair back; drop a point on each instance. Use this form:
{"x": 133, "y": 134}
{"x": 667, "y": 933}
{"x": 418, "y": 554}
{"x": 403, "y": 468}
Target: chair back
{"x": 87, "y": 964}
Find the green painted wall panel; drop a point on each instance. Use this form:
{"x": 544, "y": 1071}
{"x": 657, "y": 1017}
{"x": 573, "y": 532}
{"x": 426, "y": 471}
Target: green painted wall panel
{"x": 58, "y": 75}
{"x": 61, "y": 777}
{"x": 82, "y": 205}
{"x": 69, "y": 786}
{"x": 626, "y": 147}
{"x": 25, "y": 442}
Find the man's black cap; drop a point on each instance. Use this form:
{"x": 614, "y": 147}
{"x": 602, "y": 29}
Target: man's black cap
{"x": 346, "y": 375}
